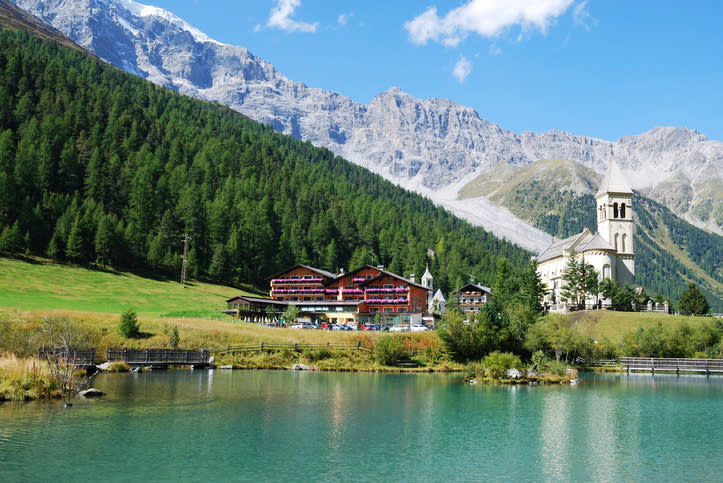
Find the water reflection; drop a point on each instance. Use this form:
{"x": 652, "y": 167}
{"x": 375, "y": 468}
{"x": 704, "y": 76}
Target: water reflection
{"x": 283, "y": 425}
{"x": 555, "y": 434}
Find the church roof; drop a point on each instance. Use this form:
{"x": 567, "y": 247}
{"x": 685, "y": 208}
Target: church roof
{"x": 582, "y": 242}
{"x": 613, "y": 181}
{"x": 439, "y": 296}
{"x": 427, "y": 275}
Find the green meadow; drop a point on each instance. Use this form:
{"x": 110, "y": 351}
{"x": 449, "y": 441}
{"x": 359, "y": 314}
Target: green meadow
{"x": 39, "y": 285}
{"x": 33, "y": 289}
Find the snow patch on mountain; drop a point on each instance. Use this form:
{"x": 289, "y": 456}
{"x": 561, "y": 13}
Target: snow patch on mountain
{"x": 427, "y": 145}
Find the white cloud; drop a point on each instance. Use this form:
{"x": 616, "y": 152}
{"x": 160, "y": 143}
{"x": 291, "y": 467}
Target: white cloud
{"x": 343, "y": 18}
{"x": 494, "y": 50}
{"x": 486, "y": 18}
{"x": 462, "y": 69}
{"x": 581, "y": 16}
{"x": 281, "y": 15}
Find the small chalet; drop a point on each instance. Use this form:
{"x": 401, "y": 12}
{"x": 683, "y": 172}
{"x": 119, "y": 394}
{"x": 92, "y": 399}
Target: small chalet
{"x": 472, "y": 297}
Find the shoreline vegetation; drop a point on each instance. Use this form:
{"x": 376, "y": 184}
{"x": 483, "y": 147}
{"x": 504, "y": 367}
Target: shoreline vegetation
{"x": 167, "y": 316}
{"x": 25, "y": 377}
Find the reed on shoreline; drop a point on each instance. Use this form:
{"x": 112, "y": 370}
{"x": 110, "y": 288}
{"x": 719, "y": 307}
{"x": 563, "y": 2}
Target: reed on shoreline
{"x": 23, "y": 379}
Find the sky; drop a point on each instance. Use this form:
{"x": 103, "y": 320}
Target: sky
{"x": 604, "y": 69}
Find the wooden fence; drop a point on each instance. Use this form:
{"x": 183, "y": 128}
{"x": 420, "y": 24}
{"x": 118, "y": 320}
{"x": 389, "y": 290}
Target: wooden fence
{"x": 73, "y": 355}
{"x": 267, "y": 347}
{"x": 163, "y": 357}
{"x": 653, "y": 364}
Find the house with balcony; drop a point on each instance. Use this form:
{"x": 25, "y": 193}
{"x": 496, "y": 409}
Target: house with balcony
{"x": 471, "y": 298}
{"x": 383, "y": 295}
{"x": 364, "y": 295}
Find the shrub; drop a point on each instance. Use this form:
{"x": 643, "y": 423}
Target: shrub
{"x": 129, "y": 327}
{"x": 558, "y": 368}
{"x": 119, "y": 367}
{"x": 497, "y": 363}
{"x": 175, "y": 338}
{"x": 473, "y": 370}
{"x": 317, "y": 355}
{"x": 390, "y": 349}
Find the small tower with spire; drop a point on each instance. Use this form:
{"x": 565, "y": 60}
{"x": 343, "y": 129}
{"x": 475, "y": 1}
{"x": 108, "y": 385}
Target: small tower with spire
{"x": 428, "y": 283}
{"x": 615, "y": 220}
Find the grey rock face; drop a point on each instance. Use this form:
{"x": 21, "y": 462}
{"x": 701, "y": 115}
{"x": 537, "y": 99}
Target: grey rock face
{"x": 432, "y": 146}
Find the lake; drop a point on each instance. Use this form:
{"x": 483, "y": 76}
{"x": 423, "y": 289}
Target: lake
{"x": 315, "y": 426}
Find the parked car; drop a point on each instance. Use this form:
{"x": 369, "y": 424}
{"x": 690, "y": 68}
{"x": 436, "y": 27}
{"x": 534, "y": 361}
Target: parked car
{"x": 419, "y": 328}
{"x": 301, "y": 325}
{"x": 399, "y": 328}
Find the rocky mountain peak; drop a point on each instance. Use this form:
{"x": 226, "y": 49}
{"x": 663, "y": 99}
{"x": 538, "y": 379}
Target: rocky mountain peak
{"x": 433, "y": 146}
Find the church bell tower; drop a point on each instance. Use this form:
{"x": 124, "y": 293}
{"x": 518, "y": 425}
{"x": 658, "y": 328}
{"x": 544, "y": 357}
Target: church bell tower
{"x": 615, "y": 221}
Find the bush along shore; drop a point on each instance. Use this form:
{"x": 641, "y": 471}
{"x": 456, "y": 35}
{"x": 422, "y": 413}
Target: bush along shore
{"x": 24, "y": 379}
{"x": 507, "y": 368}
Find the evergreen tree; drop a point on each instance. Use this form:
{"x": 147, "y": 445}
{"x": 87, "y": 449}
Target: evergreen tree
{"x": 129, "y": 327}
{"x": 11, "y": 239}
{"x": 693, "y": 302}
{"x": 580, "y": 279}
{"x": 532, "y": 289}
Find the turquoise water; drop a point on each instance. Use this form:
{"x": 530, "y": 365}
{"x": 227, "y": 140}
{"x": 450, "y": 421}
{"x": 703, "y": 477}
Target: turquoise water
{"x": 310, "y": 426}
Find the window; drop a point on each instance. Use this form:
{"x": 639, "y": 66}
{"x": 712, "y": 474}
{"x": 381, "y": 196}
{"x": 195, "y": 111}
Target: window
{"x": 606, "y": 272}
{"x": 622, "y": 210}
{"x": 615, "y": 210}
{"x": 294, "y": 299}
{"x": 625, "y": 239}
{"x": 617, "y": 241}
{"x": 388, "y": 285}
{"x": 388, "y": 309}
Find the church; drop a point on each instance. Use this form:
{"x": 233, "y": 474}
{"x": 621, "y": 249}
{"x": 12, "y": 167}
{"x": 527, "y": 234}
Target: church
{"x": 609, "y": 250}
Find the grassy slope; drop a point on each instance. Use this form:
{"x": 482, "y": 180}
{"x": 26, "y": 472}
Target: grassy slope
{"x": 29, "y": 290}
{"x": 44, "y": 285}
{"x": 603, "y": 324}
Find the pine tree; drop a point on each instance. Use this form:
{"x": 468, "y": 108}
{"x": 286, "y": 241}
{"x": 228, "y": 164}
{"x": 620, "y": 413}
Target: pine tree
{"x": 532, "y": 289}
{"x": 129, "y": 327}
{"x": 580, "y": 279}
{"x": 693, "y": 302}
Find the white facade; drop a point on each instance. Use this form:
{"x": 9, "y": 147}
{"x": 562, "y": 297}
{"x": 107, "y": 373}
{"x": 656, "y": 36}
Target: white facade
{"x": 610, "y": 251}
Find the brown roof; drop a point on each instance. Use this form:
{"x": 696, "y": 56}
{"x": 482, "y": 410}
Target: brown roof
{"x": 321, "y": 272}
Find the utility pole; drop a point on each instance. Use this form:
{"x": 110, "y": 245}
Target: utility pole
{"x": 186, "y": 239}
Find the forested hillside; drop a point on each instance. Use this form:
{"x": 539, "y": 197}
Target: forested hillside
{"x": 557, "y": 197}
{"x": 98, "y": 166}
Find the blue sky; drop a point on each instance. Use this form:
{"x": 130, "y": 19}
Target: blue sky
{"x": 596, "y": 68}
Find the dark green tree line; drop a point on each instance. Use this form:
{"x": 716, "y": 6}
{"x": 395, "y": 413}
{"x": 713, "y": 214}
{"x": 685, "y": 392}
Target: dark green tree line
{"x": 100, "y": 167}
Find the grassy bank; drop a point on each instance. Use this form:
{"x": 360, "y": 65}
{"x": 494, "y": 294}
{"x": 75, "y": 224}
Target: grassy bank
{"x": 25, "y": 379}
{"x": 32, "y": 291}
{"x": 605, "y": 324}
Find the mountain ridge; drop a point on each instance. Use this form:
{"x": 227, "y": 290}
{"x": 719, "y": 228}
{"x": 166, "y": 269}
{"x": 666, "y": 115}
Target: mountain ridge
{"x": 428, "y": 145}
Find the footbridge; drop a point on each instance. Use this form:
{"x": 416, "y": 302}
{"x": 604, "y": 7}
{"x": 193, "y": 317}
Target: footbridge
{"x": 657, "y": 364}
